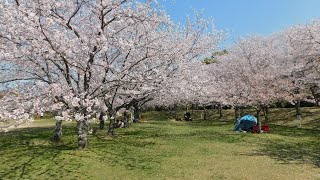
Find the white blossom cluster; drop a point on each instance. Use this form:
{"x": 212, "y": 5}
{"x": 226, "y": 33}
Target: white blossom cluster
{"x": 79, "y": 57}
{"x": 256, "y": 71}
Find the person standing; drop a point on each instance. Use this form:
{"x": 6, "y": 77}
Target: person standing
{"x": 101, "y": 119}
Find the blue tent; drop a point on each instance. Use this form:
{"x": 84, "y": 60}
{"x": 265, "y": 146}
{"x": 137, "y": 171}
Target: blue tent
{"x": 245, "y": 123}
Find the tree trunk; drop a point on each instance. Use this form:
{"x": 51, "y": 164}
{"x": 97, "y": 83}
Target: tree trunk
{"x": 314, "y": 90}
{"x": 220, "y": 111}
{"x": 170, "y": 111}
{"x": 192, "y": 110}
{"x": 101, "y": 124}
{"x": 258, "y": 119}
{"x": 126, "y": 119}
{"x": 241, "y": 111}
{"x": 112, "y": 123}
{"x": 266, "y": 114}
{"x": 101, "y": 120}
{"x": 237, "y": 113}
{"x": 175, "y": 114}
{"x": 136, "y": 113}
{"x": 298, "y": 112}
{"x": 58, "y": 131}
{"x": 205, "y": 113}
{"x": 83, "y": 128}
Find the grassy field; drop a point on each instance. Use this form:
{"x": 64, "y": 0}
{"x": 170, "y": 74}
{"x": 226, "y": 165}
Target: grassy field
{"x": 160, "y": 148}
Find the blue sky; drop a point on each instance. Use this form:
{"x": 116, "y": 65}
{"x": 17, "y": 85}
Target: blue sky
{"x": 245, "y": 17}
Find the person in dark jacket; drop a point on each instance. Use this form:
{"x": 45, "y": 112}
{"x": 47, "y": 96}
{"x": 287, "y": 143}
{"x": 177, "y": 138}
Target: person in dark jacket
{"x": 101, "y": 119}
{"x": 187, "y": 116}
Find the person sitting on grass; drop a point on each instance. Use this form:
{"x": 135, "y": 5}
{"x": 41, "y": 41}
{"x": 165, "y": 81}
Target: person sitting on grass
{"x": 119, "y": 123}
{"x": 187, "y": 116}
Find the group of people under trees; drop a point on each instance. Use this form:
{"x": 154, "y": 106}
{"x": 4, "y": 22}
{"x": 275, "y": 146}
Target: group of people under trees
{"x": 121, "y": 121}
{"x": 186, "y": 117}
{"x": 123, "y": 118}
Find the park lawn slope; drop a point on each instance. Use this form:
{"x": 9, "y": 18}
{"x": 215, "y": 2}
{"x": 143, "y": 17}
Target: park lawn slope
{"x": 160, "y": 148}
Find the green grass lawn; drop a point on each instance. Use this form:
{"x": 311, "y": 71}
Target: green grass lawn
{"x": 160, "y": 148}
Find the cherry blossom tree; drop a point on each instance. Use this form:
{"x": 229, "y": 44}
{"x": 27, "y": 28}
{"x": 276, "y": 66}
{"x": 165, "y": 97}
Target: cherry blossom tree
{"x": 257, "y": 71}
{"x": 260, "y": 70}
{"x": 79, "y": 57}
{"x": 191, "y": 84}
{"x": 254, "y": 73}
{"x": 302, "y": 44}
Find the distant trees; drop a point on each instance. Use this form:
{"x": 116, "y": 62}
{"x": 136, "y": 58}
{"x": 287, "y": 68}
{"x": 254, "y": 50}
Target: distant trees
{"x": 260, "y": 70}
{"x": 256, "y": 71}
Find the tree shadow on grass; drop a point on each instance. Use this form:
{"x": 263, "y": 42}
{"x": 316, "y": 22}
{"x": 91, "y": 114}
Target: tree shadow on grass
{"x": 22, "y": 149}
{"x": 129, "y": 149}
{"x": 292, "y": 152}
{"x": 304, "y": 148}
{"x": 294, "y": 131}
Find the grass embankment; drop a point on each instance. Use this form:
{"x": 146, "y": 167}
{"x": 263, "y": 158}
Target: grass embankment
{"x": 164, "y": 149}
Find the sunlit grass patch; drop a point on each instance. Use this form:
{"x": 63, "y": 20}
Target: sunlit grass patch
{"x": 160, "y": 148}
